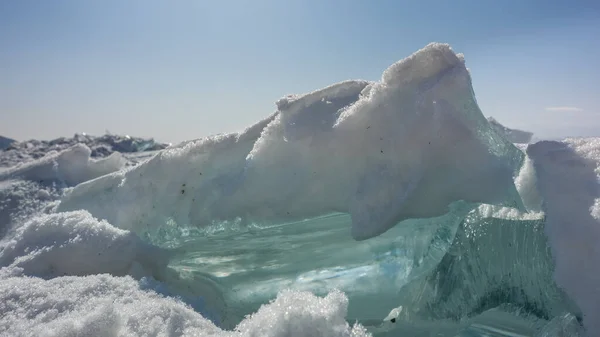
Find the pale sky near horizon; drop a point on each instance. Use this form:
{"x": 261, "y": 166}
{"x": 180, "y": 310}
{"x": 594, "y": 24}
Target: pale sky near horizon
{"x": 187, "y": 69}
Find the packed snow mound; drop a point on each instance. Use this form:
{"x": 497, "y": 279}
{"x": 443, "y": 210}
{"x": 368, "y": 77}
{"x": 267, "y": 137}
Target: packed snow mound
{"x": 103, "y": 305}
{"x": 103, "y": 146}
{"x": 74, "y": 243}
{"x": 5, "y": 142}
{"x": 405, "y": 147}
{"x": 568, "y": 174}
{"x": 70, "y": 167}
{"x": 301, "y": 314}
{"x": 513, "y": 135}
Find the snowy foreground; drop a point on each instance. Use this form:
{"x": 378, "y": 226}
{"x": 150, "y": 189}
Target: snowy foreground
{"x": 97, "y": 242}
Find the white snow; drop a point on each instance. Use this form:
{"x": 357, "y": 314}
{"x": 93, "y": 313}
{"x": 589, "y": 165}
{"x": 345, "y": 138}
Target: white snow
{"x": 404, "y": 147}
{"x": 526, "y": 183}
{"x": 71, "y": 167}
{"x": 103, "y": 305}
{"x": 301, "y": 314}
{"x": 74, "y": 243}
{"x": 99, "y": 305}
{"x": 568, "y": 176}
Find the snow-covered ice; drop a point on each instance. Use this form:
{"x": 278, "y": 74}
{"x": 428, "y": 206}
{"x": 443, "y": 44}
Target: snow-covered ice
{"x": 405, "y": 147}
{"x": 88, "y": 249}
{"x": 569, "y": 174}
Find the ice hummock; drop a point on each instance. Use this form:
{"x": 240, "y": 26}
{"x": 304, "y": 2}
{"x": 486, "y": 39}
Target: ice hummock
{"x": 569, "y": 175}
{"x": 207, "y": 225}
{"x": 405, "y": 147}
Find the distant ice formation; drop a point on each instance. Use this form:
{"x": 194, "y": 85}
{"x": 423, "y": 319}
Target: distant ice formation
{"x": 5, "y": 142}
{"x": 104, "y": 305}
{"x": 103, "y": 146}
{"x": 513, "y": 135}
{"x": 116, "y": 293}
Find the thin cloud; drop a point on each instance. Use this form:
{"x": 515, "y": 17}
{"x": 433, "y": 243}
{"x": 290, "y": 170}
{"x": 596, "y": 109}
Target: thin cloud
{"x": 563, "y": 109}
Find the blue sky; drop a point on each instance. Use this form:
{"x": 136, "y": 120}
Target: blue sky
{"x": 178, "y": 70}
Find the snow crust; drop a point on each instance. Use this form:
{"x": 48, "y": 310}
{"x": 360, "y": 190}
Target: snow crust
{"x": 404, "y": 147}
